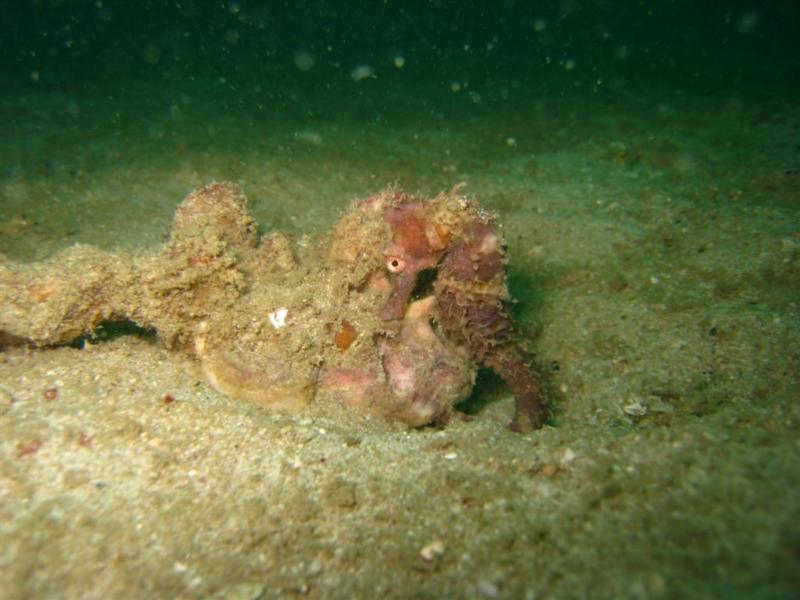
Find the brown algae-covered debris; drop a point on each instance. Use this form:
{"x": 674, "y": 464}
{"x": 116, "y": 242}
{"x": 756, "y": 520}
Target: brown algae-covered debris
{"x": 344, "y": 322}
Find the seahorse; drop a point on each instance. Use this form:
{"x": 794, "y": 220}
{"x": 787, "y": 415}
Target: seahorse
{"x": 462, "y": 241}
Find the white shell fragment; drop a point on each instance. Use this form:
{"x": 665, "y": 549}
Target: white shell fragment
{"x": 432, "y": 550}
{"x": 277, "y": 318}
{"x": 635, "y": 409}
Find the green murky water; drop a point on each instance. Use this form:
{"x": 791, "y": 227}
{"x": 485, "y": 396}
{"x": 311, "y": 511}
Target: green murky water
{"x": 644, "y": 159}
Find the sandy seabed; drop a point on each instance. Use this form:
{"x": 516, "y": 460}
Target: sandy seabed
{"x": 654, "y": 247}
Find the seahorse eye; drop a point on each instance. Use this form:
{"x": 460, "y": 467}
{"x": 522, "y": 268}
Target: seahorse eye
{"x": 395, "y": 264}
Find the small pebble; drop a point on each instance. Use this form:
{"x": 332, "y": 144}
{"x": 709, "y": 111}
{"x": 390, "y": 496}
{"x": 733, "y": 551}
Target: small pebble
{"x": 488, "y": 589}
{"x": 179, "y": 567}
{"x": 432, "y": 550}
{"x": 244, "y": 591}
{"x": 635, "y": 409}
{"x": 6, "y": 399}
{"x": 315, "y": 568}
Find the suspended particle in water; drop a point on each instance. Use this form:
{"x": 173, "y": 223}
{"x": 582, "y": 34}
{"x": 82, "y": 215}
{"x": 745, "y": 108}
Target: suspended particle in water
{"x": 231, "y": 37}
{"x": 622, "y": 52}
{"x": 151, "y": 54}
{"x": 303, "y": 60}
{"x": 747, "y": 22}
{"x": 362, "y": 72}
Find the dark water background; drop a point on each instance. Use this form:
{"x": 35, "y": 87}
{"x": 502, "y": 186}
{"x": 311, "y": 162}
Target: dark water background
{"x": 62, "y": 45}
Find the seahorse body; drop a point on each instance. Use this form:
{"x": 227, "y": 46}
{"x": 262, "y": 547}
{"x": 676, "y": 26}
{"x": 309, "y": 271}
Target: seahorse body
{"x": 470, "y": 289}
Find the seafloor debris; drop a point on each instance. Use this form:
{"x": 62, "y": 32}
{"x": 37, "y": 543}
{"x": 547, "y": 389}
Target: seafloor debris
{"x": 393, "y": 316}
